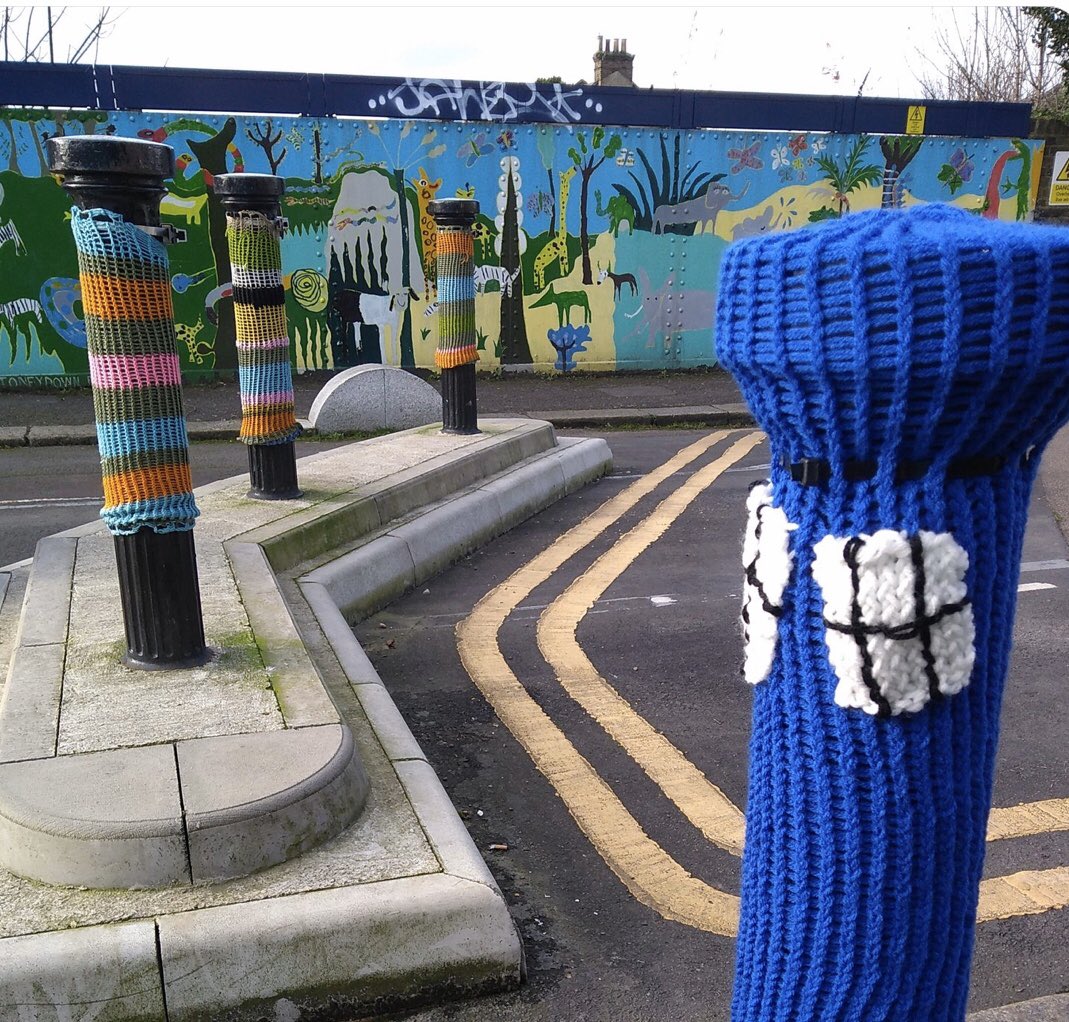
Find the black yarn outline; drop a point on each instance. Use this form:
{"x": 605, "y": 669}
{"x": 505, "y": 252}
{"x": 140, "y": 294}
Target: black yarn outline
{"x": 753, "y": 580}
{"x": 920, "y": 628}
{"x": 907, "y": 630}
{"x": 924, "y": 629}
{"x": 858, "y": 628}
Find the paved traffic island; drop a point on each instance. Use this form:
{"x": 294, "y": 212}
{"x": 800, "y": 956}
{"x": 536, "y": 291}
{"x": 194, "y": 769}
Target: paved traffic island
{"x": 261, "y": 834}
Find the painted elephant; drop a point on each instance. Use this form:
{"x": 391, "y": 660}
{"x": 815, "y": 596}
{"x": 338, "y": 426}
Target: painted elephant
{"x": 664, "y": 313}
{"x": 701, "y": 211}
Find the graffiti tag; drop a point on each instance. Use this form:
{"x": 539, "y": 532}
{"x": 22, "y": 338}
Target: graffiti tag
{"x": 482, "y": 101}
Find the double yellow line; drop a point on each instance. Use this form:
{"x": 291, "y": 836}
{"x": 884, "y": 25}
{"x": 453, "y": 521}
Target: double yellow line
{"x": 651, "y": 875}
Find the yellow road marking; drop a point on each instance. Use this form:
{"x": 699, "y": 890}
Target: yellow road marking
{"x": 701, "y": 801}
{"x": 648, "y": 872}
{"x": 1023, "y": 894}
{"x": 1028, "y": 819}
{"x": 651, "y": 875}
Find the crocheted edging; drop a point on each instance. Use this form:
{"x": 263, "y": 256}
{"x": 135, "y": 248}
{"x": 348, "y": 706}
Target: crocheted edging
{"x": 768, "y": 561}
{"x": 898, "y": 622}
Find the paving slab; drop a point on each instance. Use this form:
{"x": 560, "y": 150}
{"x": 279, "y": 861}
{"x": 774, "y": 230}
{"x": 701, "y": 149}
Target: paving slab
{"x": 397, "y": 903}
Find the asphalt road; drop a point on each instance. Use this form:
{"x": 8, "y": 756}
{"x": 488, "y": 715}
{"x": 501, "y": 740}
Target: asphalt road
{"x": 663, "y": 636}
{"x": 44, "y": 490}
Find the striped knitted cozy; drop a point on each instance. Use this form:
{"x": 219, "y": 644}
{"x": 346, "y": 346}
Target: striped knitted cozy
{"x": 264, "y": 373}
{"x": 133, "y": 366}
{"x": 908, "y": 367}
{"x": 456, "y": 298}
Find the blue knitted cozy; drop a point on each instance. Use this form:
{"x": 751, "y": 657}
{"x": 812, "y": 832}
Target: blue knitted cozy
{"x": 908, "y": 368}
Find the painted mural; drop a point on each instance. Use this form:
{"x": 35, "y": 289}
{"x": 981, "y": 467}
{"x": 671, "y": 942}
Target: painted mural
{"x": 597, "y": 248}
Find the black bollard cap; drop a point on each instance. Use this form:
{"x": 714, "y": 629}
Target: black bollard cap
{"x": 257, "y": 192}
{"x": 109, "y": 154}
{"x": 124, "y": 175}
{"x": 453, "y": 212}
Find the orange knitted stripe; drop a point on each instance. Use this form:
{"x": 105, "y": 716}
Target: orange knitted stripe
{"x": 122, "y": 298}
{"x": 456, "y": 357}
{"x": 455, "y": 243}
{"x": 256, "y": 423}
{"x": 146, "y": 484}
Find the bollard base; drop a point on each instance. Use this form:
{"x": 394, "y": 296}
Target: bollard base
{"x": 160, "y": 600}
{"x": 459, "y": 411}
{"x": 273, "y": 472}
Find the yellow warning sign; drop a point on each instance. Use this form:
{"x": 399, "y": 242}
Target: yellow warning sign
{"x": 1059, "y": 180}
{"x": 915, "y": 120}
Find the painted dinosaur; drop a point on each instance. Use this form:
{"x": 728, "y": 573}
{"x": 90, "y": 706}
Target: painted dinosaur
{"x": 1022, "y": 187}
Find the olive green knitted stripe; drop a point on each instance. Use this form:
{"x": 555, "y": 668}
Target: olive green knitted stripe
{"x": 130, "y": 336}
{"x": 152, "y": 402}
{"x": 133, "y": 461}
{"x": 122, "y": 269}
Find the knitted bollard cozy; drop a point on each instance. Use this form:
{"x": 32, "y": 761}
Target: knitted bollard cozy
{"x": 908, "y": 368}
{"x": 133, "y": 366}
{"x": 456, "y": 298}
{"x": 263, "y": 344}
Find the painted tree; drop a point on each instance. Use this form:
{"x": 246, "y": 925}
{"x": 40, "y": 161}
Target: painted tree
{"x": 846, "y": 178}
{"x": 587, "y": 160}
{"x": 545, "y": 140}
{"x": 897, "y": 151}
{"x": 515, "y": 349}
{"x": 211, "y": 155}
{"x": 267, "y": 142}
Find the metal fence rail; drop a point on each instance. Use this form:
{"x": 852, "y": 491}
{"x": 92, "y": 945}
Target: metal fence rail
{"x": 114, "y": 87}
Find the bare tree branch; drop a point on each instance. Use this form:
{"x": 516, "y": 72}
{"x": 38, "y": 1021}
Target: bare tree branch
{"x": 20, "y": 43}
{"x": 995, "y": 54}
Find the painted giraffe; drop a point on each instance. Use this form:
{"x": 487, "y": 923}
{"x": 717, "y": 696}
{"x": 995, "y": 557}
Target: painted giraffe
{"x": 484, "y": 235}
{"x": 557, "y": 246}
{"x": 426, "y": 189}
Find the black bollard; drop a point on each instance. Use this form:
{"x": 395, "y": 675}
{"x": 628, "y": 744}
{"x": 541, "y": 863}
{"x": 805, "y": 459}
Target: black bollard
{"x": 117, "y": 185}
{"x": 254, "y": 228}
{"x": 457, "y": 352}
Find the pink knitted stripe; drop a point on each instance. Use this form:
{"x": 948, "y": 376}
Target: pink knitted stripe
{"x": 277, "y": 397}
{"x": 273, "y": 342}
{"x": 118, "y": 372}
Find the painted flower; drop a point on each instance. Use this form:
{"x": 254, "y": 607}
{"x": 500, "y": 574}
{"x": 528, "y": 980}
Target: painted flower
{"x": 568, "y": 340}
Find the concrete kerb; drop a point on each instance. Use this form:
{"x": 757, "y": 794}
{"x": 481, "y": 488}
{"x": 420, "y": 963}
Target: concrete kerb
{"x": 385, "y": 566}
{"x": 1041, "y": 1009}
{"x": 402, "y": 938}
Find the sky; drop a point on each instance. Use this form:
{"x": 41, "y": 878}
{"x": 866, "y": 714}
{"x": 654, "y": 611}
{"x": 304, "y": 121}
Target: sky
{"x": 830, "y": 50}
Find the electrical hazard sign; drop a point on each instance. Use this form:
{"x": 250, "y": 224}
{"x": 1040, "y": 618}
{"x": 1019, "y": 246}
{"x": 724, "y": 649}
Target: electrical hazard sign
{"x": 1059, "y": 180}
{"x": 915, "y": 120}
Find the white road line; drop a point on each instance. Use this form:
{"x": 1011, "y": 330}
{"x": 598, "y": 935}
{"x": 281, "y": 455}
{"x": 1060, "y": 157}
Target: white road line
{"x": 1057, "y": 565}
{"x": 748, "y": 468}
{"x": 46, "y": 502}
{"x": 1031, "y": 587}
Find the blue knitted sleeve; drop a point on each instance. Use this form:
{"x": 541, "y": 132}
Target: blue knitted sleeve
{"x": 909, "y": 368}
